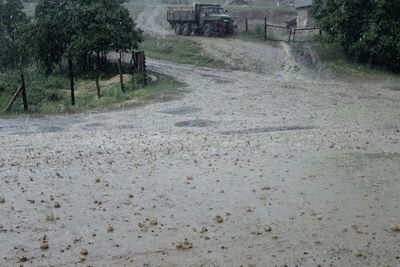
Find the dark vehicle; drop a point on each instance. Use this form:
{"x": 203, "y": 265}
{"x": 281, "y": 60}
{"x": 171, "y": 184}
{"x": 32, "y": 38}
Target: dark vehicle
{"x": 200, "y": 19}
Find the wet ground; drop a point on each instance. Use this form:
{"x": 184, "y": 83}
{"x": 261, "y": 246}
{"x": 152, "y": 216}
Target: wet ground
{"x": 247, "y": 168}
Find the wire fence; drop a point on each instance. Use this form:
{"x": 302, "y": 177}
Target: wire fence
{"x": 305, "y": 34}
{"x": 264, "y": 30}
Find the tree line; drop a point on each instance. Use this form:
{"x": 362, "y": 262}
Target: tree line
{"x": 80, "y": 32}
{"x": 368, "y": 31}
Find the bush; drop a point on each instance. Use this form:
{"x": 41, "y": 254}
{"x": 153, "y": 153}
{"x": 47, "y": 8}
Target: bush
{"x": 2, "y": 86}
{"x": 367, "y": 31}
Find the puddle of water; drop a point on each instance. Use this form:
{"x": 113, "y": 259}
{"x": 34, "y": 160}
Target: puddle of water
{"x": 52, "y": 129}
{"x": 195, "y": 123}
{"x": 181, "y": 110}
{"x": 267, "y": 130}
{"x": 124, "y": 126}
{"x": 22, "y": 133}
{"x": 222, "y": 81}
{"x": 93, "y": 125}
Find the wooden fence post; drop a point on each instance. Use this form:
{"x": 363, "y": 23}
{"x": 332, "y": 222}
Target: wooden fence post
{"x": 10, "y": 104}
{"x": 144, "y": 69}
{"x": 294, "y": 36}
{"x": 121, "y": 78}
{"x": 265, "y": 29}
{"x": 133, "y": 70}
{"x": 290, "y": 34}
{"x": 97, "y": 77}
{"x": 142, "y": 66}
{"x": 247, "y": 26}
{"x": 71, "y": 79}
{"x": 24, "y": 99}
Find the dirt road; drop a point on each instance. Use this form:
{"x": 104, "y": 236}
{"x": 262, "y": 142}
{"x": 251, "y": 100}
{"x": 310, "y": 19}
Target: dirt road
{"x": 251, "y": 168}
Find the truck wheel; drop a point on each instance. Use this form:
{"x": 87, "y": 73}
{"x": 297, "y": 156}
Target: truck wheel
{"x": 186, "y": 29}
{"x": 208, "y": 31}
{"x": 178, "y": 29}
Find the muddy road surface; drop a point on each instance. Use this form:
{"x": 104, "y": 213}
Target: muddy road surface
{"x": 246, "y": 169}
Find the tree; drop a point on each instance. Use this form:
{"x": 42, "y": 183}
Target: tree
{"x": 79, "y": 28}
{"x": 368, "y": 31}
{"x": 11, "y": 15}
{"x": 105, "y": 26}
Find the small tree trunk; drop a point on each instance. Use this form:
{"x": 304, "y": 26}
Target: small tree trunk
{"x": 265, "y": 29}
{"x": 143, "y": 67}
{"x": 97, "y": 74}
{"x": 23, "y": 90}
{"x": 98, "y": 58}
{"x": 294, "y": 35}
{"x": 121, "y": 78}
{"x": 71, "y": 79}
{"x": 133, "y": 70}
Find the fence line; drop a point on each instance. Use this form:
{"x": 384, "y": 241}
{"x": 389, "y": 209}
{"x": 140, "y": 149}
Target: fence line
{"x": 20, "y": 91}
{"x": 282, "y": 33}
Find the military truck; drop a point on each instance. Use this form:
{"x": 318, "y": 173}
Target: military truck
{"x": 200, "y": 19}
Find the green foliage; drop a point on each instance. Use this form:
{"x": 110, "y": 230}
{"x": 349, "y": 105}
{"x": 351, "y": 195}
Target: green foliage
{"x": 11, "y": 15}
{"x": 368, "y": 31}
{"x": 181, "y": 50}
{"x": 46, "y": 94}
{"x": 78, "y": 29}
{"x": 105, "y": 26}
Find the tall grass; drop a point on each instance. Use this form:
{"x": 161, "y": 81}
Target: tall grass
{"x": 335, "y": 59}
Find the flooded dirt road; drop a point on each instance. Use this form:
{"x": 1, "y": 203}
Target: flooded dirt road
{"x": 247, "y": 168}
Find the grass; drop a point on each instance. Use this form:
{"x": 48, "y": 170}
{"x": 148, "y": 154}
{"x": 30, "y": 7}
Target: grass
{"x": 254, "y": 36}
{"x": 50, "y": 95}
{"x": 345, "y": 69}
{"x": 395, "y": 88}
{"x": 181, "y": 50}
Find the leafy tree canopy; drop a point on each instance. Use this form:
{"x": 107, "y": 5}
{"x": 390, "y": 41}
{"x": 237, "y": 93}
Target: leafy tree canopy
{"x": 11, "y": 15}
{"x": 367, "y": 30}
{"x": 78, "y": 28}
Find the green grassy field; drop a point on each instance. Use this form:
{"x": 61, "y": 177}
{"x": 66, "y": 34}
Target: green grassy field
{"x": 180, "y": 49}
{"x": 345, "y": 69}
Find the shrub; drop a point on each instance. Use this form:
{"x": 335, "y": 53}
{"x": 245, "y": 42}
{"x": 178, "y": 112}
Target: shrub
{"x": 367, "y": 31}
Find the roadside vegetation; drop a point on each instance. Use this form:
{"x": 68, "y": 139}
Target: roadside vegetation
{"x": 181, "y": 50}
{"x": 49, "y": 94}
{"x": 366, "y": 31}
{"x": 343, "y": 67}
{"x": 256, "y": 35}
{"x": 68, "y": 41}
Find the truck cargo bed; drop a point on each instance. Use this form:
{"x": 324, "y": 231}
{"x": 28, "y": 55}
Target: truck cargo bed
{"x": 181, "y": 13}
